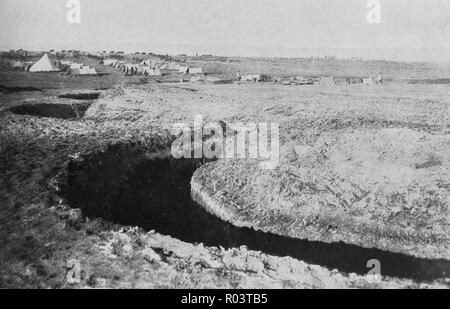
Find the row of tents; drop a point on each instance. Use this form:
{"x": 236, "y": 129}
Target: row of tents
{"x": 153, "y": 68}
{"x": 137, "y": 69}
{"x": 150, "y": 67}
{"x": 127, "y": 68}
{"x": 133, "y": 68}
{"x": 78, "y": 68}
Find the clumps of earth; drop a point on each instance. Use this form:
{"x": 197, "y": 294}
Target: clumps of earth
{"x": 385, "y": 188}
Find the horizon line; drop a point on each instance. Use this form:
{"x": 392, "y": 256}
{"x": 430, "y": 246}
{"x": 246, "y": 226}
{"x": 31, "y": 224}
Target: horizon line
{"x": 317, "y": 53}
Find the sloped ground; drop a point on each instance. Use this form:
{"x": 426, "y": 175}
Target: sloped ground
{"x": 39, "y": 235}
{"x": 383, "y": 188}
{"x": 369, "y": 170}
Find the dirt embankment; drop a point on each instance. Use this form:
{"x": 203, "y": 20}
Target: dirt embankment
{"x": 384, "y": 188}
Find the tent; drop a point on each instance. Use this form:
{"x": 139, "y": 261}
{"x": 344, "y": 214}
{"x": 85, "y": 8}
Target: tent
{"x": 155, "y": 72}
{"x": 43, "y": 65}
{"x": 63, "y": 62}
{"x": 74, "y": 66}
{"x": 149, "y": 62}
{"x": 84, "y": 71}
{"x": 130, "y": 69}
{"x": 148, "y": 71}
{"x": 110, "y": 62}
{"x": 184, "y": 70}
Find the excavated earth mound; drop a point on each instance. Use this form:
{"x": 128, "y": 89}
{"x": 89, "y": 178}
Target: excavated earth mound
{"x": 386, "y": 189}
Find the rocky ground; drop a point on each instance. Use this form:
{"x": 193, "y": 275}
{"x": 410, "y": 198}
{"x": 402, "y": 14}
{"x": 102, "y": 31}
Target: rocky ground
{"x": 371, "y": 145}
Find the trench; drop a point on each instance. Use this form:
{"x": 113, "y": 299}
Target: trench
{"x": 80, "y": 96}
{"x": 438, "y": 81}
{"x": 62, "y": 111}
{"x": 8, "y": 90}
{"x": 124, "y": 186}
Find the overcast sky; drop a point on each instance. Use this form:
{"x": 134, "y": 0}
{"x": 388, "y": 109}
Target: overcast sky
{"x": 410, "y": 29}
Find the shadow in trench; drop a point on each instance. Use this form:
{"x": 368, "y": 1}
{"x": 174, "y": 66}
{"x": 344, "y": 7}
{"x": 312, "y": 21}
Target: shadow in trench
{"x": 80, "y": 96}
{"x": 62, "y": 111}
{"x": 8, "y": 90}
{"x": 123, "y": 187}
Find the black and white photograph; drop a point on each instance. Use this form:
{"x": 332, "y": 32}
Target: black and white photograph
{"x": 207, "y": 147}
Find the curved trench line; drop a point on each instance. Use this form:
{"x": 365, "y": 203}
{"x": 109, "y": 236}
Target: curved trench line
{"x": 52, "y": 110}
{"x": 123, "y": 187}
{"x": 80, "y": 96}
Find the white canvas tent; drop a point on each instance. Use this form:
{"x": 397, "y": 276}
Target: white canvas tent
{"x": 84, "y": 71}
{"x": 110, "y": 62}
{"x": 120, "y": 64}
{"x": 148, "y": 71}
{"x": 74, "y": 66}
{"x": 130, "y": 69}
{"x": 155, "y": 72}
{"x": 151, "y": 62}
{"x": 64, "y": 62}
{"x": 184, "y": 70}
{"x": 43, "y": 65}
